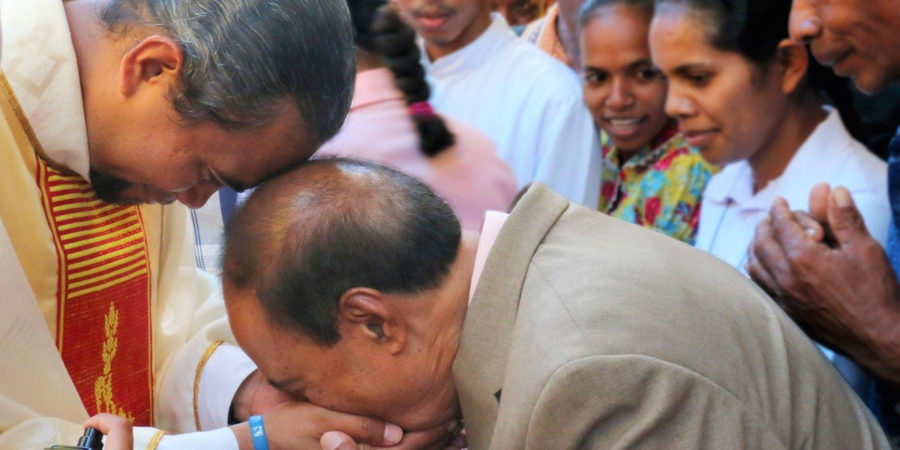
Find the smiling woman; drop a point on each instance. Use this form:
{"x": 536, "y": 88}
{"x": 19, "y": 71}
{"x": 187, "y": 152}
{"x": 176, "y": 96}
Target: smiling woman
{"x": 747, "y": 96}
{"x": 650, "y": 176}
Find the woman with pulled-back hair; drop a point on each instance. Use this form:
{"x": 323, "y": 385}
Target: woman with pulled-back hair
{"x": 748, "y": 97}
{"x": 391, "y": 121}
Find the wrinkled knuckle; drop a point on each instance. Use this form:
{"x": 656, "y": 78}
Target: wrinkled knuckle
{"x": 370, "y": 429}
{"x": 871, "y": 250}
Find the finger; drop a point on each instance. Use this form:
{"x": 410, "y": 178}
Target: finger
{"x": 770, "y": 264}
{"x": 784, "y": 224}
{"x": 760, "y": 274}
{"x": 845, "y": 219}
{"x": 439, "y": 436}
{"x": 810, "y": 225}
{"x": 363, "y": 430}
{"x": 792, "y": 239}
{"x": 818, "y": 202}
{"x": 118, "y": 430}
{"x": 336, "y": 440}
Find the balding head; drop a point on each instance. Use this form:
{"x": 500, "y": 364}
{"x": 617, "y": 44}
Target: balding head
{"x": 304, "y": 239}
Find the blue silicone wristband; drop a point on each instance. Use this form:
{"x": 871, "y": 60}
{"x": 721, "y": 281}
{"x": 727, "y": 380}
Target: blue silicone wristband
{"x": 258, "y": 433}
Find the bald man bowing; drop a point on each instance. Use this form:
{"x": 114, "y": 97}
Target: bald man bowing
{"x": 352, "y": 285}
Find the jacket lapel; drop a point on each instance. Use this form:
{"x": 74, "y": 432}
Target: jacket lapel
{"x": 491, "y": 318}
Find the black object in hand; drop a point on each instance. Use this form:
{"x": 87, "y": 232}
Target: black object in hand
{"x": 92, "y": 439}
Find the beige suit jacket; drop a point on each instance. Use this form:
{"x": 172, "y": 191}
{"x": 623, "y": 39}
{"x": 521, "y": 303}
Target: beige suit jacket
{"x": 588, "y": 332}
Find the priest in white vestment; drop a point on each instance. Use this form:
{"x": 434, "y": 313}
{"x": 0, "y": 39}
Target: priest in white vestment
{"x": 103, "y": 309}
{"x": 529, "y": 104}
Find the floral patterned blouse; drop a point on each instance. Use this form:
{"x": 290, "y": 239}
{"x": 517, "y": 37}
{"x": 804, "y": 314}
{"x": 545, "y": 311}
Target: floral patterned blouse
{"x": 660, "y": 187}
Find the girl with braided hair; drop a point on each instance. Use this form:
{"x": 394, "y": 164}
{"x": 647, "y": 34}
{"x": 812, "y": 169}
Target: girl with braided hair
{"x": 391, "y": 121}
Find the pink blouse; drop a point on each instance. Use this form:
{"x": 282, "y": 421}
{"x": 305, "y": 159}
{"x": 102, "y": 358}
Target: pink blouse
{"x": 469, "y": 175}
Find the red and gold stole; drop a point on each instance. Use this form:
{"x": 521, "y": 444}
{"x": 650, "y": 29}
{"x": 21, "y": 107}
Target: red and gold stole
{"x": 104, "y": 326}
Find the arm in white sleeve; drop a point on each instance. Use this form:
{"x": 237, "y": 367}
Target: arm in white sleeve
{"x": 225, "y": 370}
{"x": 569, "y": 162}
{"x": 191, "y": 325}
{"x": 218, "y": 439}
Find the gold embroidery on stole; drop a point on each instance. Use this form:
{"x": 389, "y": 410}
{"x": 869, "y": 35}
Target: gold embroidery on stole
{"x": 103, "y": 271}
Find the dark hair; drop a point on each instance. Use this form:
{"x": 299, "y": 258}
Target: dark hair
{"x": 590, "y": 7}
{"x": 753, "y": 28}
{"x": 243, "y": 58}
{"x": 305, "y": 238}
{"x": 379, "y": 29}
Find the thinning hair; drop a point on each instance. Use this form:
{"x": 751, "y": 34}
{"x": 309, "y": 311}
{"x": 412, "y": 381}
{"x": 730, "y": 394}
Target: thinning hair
{"x": 244, "y": 58}
{"x": 305, "y": 238}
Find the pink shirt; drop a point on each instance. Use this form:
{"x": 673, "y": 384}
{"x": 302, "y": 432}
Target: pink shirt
{"x": 469, "y": 175}
{"x": 493, "y": 222}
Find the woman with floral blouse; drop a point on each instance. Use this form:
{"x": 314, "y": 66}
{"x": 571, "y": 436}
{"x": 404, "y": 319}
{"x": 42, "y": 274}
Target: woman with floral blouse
{"x": 651, "y": 176}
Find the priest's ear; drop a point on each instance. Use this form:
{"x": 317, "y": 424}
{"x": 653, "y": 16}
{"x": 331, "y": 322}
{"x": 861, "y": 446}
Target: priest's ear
{"x": 154, "y": 62}
{"x": 369, "y": 316}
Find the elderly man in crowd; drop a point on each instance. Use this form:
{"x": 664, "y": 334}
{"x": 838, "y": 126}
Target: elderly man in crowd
{"x": 351, "y": 285}
{"x": 824, "y": 268}
{"x": 557, "y": 33}
{"x": 106, "y": 104}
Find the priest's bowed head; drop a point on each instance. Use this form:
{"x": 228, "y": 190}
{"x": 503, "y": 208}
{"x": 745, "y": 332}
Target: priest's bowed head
{"x": 184, "y": 97}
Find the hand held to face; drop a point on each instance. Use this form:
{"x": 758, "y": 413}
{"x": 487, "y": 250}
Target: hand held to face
{"x": 301, "y": 425}
{"x": 256, "y": 396}
{"x": 445, "y": 436}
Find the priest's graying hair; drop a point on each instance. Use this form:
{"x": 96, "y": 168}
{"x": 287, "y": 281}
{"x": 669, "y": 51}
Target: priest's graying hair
{"x": 244, "y": 58}
{"x": 305, "y": 238}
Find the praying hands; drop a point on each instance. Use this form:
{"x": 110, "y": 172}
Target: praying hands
{"x": 829, "y": 274}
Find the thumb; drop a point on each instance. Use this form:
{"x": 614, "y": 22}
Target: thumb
{"x": 845, "y": 220}
{"x": 336, "y": 440}
{"x": 818, "y": 202}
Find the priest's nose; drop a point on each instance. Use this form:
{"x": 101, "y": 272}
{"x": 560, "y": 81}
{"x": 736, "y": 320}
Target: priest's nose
{"x": 197, "y": 196}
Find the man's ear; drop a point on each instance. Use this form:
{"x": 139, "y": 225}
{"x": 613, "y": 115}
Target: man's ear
{"x": 793, "y": 59}
{"x": 370, "y": 314}
{"x": 156, "y": 59}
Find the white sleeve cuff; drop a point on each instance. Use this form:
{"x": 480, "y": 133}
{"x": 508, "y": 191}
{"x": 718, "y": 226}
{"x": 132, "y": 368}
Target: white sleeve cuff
{"x": 223, "y": 374}
{"x": 221, "y": 439}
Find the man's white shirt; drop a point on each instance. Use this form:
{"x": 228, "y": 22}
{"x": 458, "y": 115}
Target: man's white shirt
{"x": 529, "y": 104}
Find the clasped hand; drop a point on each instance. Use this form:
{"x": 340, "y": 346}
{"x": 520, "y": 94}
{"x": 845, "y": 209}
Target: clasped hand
{"x": 828, "y": 273}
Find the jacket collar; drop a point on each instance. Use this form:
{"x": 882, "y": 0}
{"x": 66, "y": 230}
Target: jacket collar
{"x": 480, "y": 363}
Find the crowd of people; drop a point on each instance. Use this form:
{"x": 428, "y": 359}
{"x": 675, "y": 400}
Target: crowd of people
{"x": 448, "y": 223}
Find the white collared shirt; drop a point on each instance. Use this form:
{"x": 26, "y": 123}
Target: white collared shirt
{"x": 731, "y": 211}
{"x": 529, "y": 104}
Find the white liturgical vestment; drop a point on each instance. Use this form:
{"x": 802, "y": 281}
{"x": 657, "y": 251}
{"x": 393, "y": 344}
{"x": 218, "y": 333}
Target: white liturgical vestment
{"x": 528, "y": 103}
{"x": 89, "y": 286}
